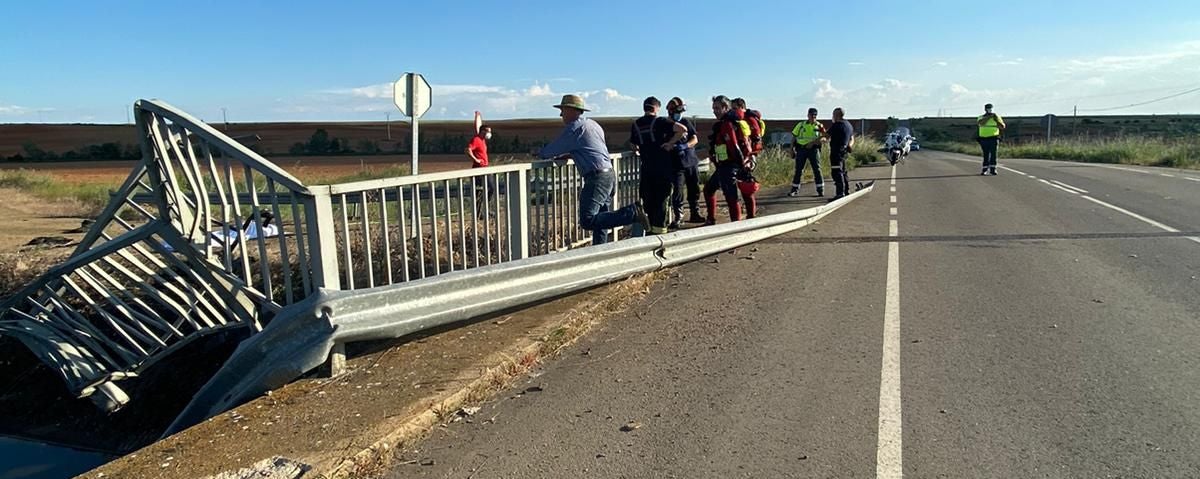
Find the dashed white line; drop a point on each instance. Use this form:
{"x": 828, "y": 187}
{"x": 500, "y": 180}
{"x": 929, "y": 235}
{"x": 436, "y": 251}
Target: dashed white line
{"x": 1168, "y": 175}
{"x": 893, "y": 211}
{"x": 893, "y": 198}
{"x": 889, "y": 455}
{"x": 893, "y": 189}
{"x": 1064, "y": 185}
{"x": 1191, "y": 179}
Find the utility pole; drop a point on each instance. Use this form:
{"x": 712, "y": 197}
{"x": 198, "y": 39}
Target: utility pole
{"x": 1074, "y": 118}
{"x": 389, "y": 125}
{"x": 127, "y": 119}
{"x": 225, "y": 118}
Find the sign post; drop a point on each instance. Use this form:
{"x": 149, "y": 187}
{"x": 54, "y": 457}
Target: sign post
{"x": 413, "y": 96}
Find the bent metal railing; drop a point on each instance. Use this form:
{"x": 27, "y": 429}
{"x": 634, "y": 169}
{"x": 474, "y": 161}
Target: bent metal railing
{"x": 205, "y": 235}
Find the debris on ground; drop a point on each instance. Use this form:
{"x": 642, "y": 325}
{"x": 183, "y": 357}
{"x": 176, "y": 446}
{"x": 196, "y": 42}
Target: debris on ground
{"x": 631, "y": 426}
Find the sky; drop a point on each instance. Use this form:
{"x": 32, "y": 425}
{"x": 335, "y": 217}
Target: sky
{"x": 87, "y": 62}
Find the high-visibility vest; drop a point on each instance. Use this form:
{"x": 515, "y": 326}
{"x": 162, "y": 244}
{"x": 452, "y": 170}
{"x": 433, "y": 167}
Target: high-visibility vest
{"x": 722, "y": 151}
{"x": 990, "y": 128}
{"x": 806, "y": 132}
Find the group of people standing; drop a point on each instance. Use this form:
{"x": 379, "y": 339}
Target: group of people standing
{"x": 669, "y": 164}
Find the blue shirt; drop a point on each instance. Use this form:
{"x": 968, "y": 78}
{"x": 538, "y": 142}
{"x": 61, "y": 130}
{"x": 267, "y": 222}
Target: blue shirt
{"x": 584, "y": 140}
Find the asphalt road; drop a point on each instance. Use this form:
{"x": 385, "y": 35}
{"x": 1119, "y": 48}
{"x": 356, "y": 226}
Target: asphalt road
{"x": 991, "y": 327}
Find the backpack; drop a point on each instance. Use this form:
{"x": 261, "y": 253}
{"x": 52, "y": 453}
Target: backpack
{"x": 758, "y": 128}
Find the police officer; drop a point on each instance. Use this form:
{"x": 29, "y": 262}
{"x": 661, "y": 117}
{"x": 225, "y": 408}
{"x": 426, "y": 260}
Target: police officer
{"x": 686, "y": 163}
{"x": 654, "y": 138}
{"x": 809, "y": 135}
{"x": 841, "y": 143}
{"x": 990, "y": 127}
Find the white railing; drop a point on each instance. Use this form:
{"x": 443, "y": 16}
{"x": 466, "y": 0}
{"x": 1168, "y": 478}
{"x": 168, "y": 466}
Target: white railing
{"x": 207, "y": 235}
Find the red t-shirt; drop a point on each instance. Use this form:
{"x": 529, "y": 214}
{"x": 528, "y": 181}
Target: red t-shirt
{"x": 479, "y": 149}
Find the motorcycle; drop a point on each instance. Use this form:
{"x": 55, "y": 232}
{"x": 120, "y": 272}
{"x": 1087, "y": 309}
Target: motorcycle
{"x": 897, "y": 146}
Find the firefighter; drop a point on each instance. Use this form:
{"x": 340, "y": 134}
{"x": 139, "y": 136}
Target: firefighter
{"x": 753, "y": 125}
{"x": 654, "y": 138}
{"x": 730, "y": 148}
{"x": 809, "y": 135}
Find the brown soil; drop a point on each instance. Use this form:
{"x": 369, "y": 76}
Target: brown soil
{"x": 25, "y": 217}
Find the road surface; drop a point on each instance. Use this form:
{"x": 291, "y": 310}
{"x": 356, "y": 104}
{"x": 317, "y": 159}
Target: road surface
{"x": 1040, "y": 323}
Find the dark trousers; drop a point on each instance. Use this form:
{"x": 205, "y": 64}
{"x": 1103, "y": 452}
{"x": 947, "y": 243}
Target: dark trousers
{"x": 812, "y": 156}
{"x": 655, "y": 191}
{"x": 724, "y": 179}
{"x": 841, "y": 177}
{"x": 989, "y": 146}
{"x": 688, "y": 178}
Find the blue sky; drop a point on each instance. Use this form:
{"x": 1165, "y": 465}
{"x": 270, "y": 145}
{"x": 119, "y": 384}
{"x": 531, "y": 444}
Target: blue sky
{"x": 305, "y": 61}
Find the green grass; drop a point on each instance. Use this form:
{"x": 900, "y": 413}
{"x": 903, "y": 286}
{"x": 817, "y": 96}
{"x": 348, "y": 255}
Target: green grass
{"x": 1127, "y": 150}
{"x": 92, "y": 197}
{"x": 776, "y": 165}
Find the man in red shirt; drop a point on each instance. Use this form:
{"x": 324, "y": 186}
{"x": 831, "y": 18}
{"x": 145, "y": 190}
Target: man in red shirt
{"x": 477, "y": 149}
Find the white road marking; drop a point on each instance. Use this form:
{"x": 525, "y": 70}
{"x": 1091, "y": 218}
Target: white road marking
{"x": 893, "y": 211}
{"x": 1052, "y": 185}
{"x": 1014, "y": 170}
{"x": 1191, "y": 179}
{"x": 1034, "y": 177}
{"x": 893, "y": 189}
{"x": 889, "y": 455}
{"x": 893, "y": 198}
{"x": 1168, "y": 175}
{"x": 893, "y": 176}
{"x": 1064, "y": 185}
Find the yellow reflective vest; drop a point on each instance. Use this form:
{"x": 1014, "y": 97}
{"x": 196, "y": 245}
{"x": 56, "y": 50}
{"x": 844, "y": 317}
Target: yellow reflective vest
{"x": 990, "y": 128}
{"x": 806, "y": 132}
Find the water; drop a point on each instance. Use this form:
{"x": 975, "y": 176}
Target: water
{"x": 20, "y": 459}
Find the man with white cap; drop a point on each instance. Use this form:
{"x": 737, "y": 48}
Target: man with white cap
{"x": 583, "y": 140}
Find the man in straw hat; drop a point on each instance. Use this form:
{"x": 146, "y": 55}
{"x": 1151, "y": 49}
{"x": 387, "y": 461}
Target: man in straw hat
{"x": 583, "y": 140}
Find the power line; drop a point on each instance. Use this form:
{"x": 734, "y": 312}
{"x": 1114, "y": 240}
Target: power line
{"x": 1131, "y": 105}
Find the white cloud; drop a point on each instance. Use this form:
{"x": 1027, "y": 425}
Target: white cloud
{"x": 1013, "y": 62}
{"x": 941, "y": 64}
{"x": 825, "y": 90}
{"x": 14, "y": 110}
{"x": 856, "y": 64}
{"x": 454, "y": 101}
{"x": 1187, "y": 52}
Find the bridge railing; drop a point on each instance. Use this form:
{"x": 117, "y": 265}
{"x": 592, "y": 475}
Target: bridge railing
{"x": 206, "y": 235}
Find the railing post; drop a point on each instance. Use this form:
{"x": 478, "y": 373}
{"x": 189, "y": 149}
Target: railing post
{"x": 518, "y": 214}
{"x": 322, "y": 240}
{"x": 616, "y": 192}
{"x": 323, "y": 255}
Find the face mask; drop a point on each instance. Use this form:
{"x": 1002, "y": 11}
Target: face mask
{"x": 677, "y": 116}
{"x": 487, "y": 136}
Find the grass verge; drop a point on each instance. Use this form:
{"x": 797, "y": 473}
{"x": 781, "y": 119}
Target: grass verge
{"x": 776, "y": 165}
{"x": 1129, "y": 151}
{"x": 90, "y": 198}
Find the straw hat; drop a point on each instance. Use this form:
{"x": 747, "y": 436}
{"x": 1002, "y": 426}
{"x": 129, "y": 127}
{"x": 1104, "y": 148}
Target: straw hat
{"x": 572, "y": 101}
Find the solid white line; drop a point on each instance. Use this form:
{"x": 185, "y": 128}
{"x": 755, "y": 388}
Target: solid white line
{"x": 1052, "y": 185}
{"x": 889, "y": 455}
{"x": 1022, "y": 173}
{"x": 893, "y": 211}
{"x": 1064, "y": 185}
{"x": 1132, "y": 214}
{"x": 893, "y": 198}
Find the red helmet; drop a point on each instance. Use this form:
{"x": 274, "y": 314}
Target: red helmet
{"x": 748, "y": 187}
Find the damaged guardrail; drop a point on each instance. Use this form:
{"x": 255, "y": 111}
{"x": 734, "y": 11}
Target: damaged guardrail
{"x": 302, "y": 337}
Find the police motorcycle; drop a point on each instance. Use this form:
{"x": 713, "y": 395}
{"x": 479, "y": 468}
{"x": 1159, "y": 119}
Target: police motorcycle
{"x": 897, "y": 145}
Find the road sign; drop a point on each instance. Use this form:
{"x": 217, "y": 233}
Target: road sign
{"x": 412, "y": 95}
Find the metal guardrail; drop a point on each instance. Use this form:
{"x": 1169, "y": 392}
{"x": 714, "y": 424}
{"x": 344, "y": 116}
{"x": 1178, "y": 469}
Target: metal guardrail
{"x": 301, "y": 338}
{"x": 206, "y": 235}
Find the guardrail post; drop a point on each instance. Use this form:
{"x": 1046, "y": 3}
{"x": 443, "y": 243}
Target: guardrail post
{"x": 518, "y": 214}
{"x": 323, "y": 254}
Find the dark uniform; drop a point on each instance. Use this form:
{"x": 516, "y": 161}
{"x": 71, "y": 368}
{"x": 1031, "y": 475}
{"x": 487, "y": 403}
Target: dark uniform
{"x": 657, "y": 167}
{"x": 687, "y": 175}
{"x": 840, "y": 135}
